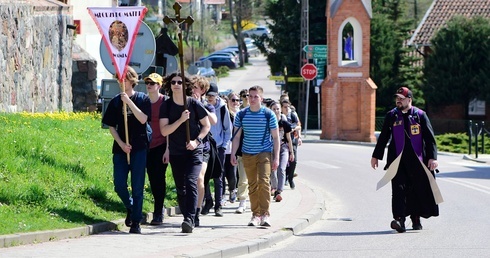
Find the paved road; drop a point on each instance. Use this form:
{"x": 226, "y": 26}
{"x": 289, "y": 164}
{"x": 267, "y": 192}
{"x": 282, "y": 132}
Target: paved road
{"x": 255, "y": 74}
{"x": 357, "y": 218}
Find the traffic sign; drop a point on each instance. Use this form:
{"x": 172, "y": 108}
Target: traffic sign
{"x": 295, "y": 79}
{"x": 317, "y": 55}
{"x": 276, "y": 77}
{"x": 309, "y": 71}
{"x": 315, "y": 48}
{"x": 320, "y": 66}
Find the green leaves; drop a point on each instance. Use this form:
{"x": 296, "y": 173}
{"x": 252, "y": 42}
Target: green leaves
{"x": 458, "y": 68}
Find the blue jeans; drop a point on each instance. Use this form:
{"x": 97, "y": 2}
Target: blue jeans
{"x": 278, "y": 177}
{"x": 121, "y": 171}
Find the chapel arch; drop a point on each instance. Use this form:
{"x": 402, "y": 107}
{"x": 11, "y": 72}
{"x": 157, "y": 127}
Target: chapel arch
{"x": 350, "y": 43}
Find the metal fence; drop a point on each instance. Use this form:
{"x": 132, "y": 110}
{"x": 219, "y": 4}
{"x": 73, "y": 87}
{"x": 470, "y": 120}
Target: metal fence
{"x": 478, "y": 131}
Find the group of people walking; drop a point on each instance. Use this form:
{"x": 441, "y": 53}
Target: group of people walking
{"x": 184, "y": 122}
{"x": 248, "y": 142}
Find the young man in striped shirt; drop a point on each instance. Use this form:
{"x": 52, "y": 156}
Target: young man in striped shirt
{"x": 260, "y": 152}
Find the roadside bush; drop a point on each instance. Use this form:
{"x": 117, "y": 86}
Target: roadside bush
{"x": 458, "y": 143}
{"x": 222, "y": 71}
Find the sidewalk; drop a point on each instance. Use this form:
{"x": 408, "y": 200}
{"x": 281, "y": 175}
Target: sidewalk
{"x": 226, "y": 236}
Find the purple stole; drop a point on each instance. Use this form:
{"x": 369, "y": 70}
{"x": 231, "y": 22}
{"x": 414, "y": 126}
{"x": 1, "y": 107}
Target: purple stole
{"x": 415, "y": 132}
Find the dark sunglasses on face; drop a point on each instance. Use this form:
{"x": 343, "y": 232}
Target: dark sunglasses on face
{"x": 150, "y": 83}
{"x": 176, "y": 82}
{"x": 235, "y": 100}
{"x": 244, "y": 96}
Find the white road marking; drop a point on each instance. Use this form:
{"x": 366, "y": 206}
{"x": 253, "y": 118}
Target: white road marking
{"x": 467, "y": 184}
{"x": 317, "y": 164}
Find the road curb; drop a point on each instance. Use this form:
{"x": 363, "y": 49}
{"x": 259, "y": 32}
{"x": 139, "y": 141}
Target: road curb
{"x": 266, "y": 241}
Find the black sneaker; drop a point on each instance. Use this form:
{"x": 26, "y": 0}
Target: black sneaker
{"x": 135, "y": 228}
{"x": 218, "y": 212}
{"x": 187, "y": 226}
{"x": 207, "y": 206}
{"x": 398, "y": 225}
{"x": 157, "y": 219}
{"x": 127, "y": 221}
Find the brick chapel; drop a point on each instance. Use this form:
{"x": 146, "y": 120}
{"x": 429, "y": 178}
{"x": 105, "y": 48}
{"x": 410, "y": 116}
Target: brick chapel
{"x": 348, "y": 94}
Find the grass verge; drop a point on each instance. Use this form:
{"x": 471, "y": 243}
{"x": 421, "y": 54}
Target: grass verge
{"x": 56, "y": 173}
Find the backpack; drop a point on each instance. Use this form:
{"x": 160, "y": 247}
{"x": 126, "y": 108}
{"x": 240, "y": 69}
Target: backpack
{"x": 268, "y": 114}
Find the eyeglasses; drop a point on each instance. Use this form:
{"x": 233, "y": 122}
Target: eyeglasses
{"x": 244, "y": 96}
{"x": 151, "y": 83}
{"x": 400, "y": 99}
{"x": 176, "y": 82}
{"x": 235, "y": 100}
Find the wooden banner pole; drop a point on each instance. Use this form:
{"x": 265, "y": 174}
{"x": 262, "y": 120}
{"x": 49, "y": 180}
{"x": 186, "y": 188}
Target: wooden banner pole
{"x": 180, "y": 21}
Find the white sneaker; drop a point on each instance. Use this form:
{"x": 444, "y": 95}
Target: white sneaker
{"x": 241, "y": 207}
{"x": 255, "y": 221}
{"x": 264, "y": 221}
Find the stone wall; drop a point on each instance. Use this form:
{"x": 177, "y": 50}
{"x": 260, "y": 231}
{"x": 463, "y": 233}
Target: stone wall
{"x": 84, "y": 80}
{"x": 35, "y": 56}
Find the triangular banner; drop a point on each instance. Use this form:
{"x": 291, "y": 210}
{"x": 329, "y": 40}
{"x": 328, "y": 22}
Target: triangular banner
{"x": 119, "y": 27}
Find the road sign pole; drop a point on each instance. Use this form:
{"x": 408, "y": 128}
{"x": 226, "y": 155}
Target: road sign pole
{"x": 307, "y": 102}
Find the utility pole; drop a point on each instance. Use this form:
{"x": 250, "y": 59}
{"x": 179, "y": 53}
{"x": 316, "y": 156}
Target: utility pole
{"x": 192, "y": 31}
{"x": 203, "y": 20}
{"x": 303, "y": 59}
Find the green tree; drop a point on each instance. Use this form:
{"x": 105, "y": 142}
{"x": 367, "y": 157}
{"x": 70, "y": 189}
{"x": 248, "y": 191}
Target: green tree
{"x": 240, "y": 10}
{"x": 458, "y": 69}
{"x": 283, "y": 48}
{"x": 391, "y": 62}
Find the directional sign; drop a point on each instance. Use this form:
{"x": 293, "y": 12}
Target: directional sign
{"x": 320, "y": 65}
{"x": 309, "y": 71}
{"x": 295, "y": 79}
{"x": 276, "y": 77}
{"x": 315, "y": 48}
{"x": 316, "y": 55}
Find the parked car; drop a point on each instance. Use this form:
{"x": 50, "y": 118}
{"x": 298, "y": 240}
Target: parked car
{"x": 216, "y": 54}
{"x": 234, "y": 49}
{"x": 260, "y": 31}
{"x": 218, "y": 61}
{"x": 206, "y": 72}
{"x": 227, "y": 51}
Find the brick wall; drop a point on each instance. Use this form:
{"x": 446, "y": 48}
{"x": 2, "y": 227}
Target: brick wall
{"x": 348, "y": 101}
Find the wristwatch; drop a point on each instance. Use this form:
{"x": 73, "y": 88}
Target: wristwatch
{"x": 199, "y": 140}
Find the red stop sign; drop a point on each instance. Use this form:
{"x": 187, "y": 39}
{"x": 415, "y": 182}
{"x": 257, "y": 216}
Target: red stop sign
{"x": 308, "y": 71}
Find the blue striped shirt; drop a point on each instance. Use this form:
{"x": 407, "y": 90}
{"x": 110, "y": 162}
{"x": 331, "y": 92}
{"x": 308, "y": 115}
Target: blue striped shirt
{"x": 257, "y": 135}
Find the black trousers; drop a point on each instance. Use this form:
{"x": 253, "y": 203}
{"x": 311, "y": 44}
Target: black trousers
{"x": 156, "y": 170}
{"x": 185, "y": 170}
{"x": 411, "y": 191}
{"x": 230, "y": 174}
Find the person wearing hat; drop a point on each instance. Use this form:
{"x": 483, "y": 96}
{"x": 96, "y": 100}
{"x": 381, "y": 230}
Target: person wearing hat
{"x": 412, "y": 137}
{"x": 157, "y": 157}
{"x": 138, "y": 108}
{"x": 221, "y": 133}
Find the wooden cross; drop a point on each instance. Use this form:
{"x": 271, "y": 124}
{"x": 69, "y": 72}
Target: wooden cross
{"x": 179, "y": 21}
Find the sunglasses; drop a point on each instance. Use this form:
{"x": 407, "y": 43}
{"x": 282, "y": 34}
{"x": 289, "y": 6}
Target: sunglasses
{"x": 235, "y": 100}
{"x": 176, "y": 82}
{"x": 244, "y": 96}
{"x": 150, "y": 83}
